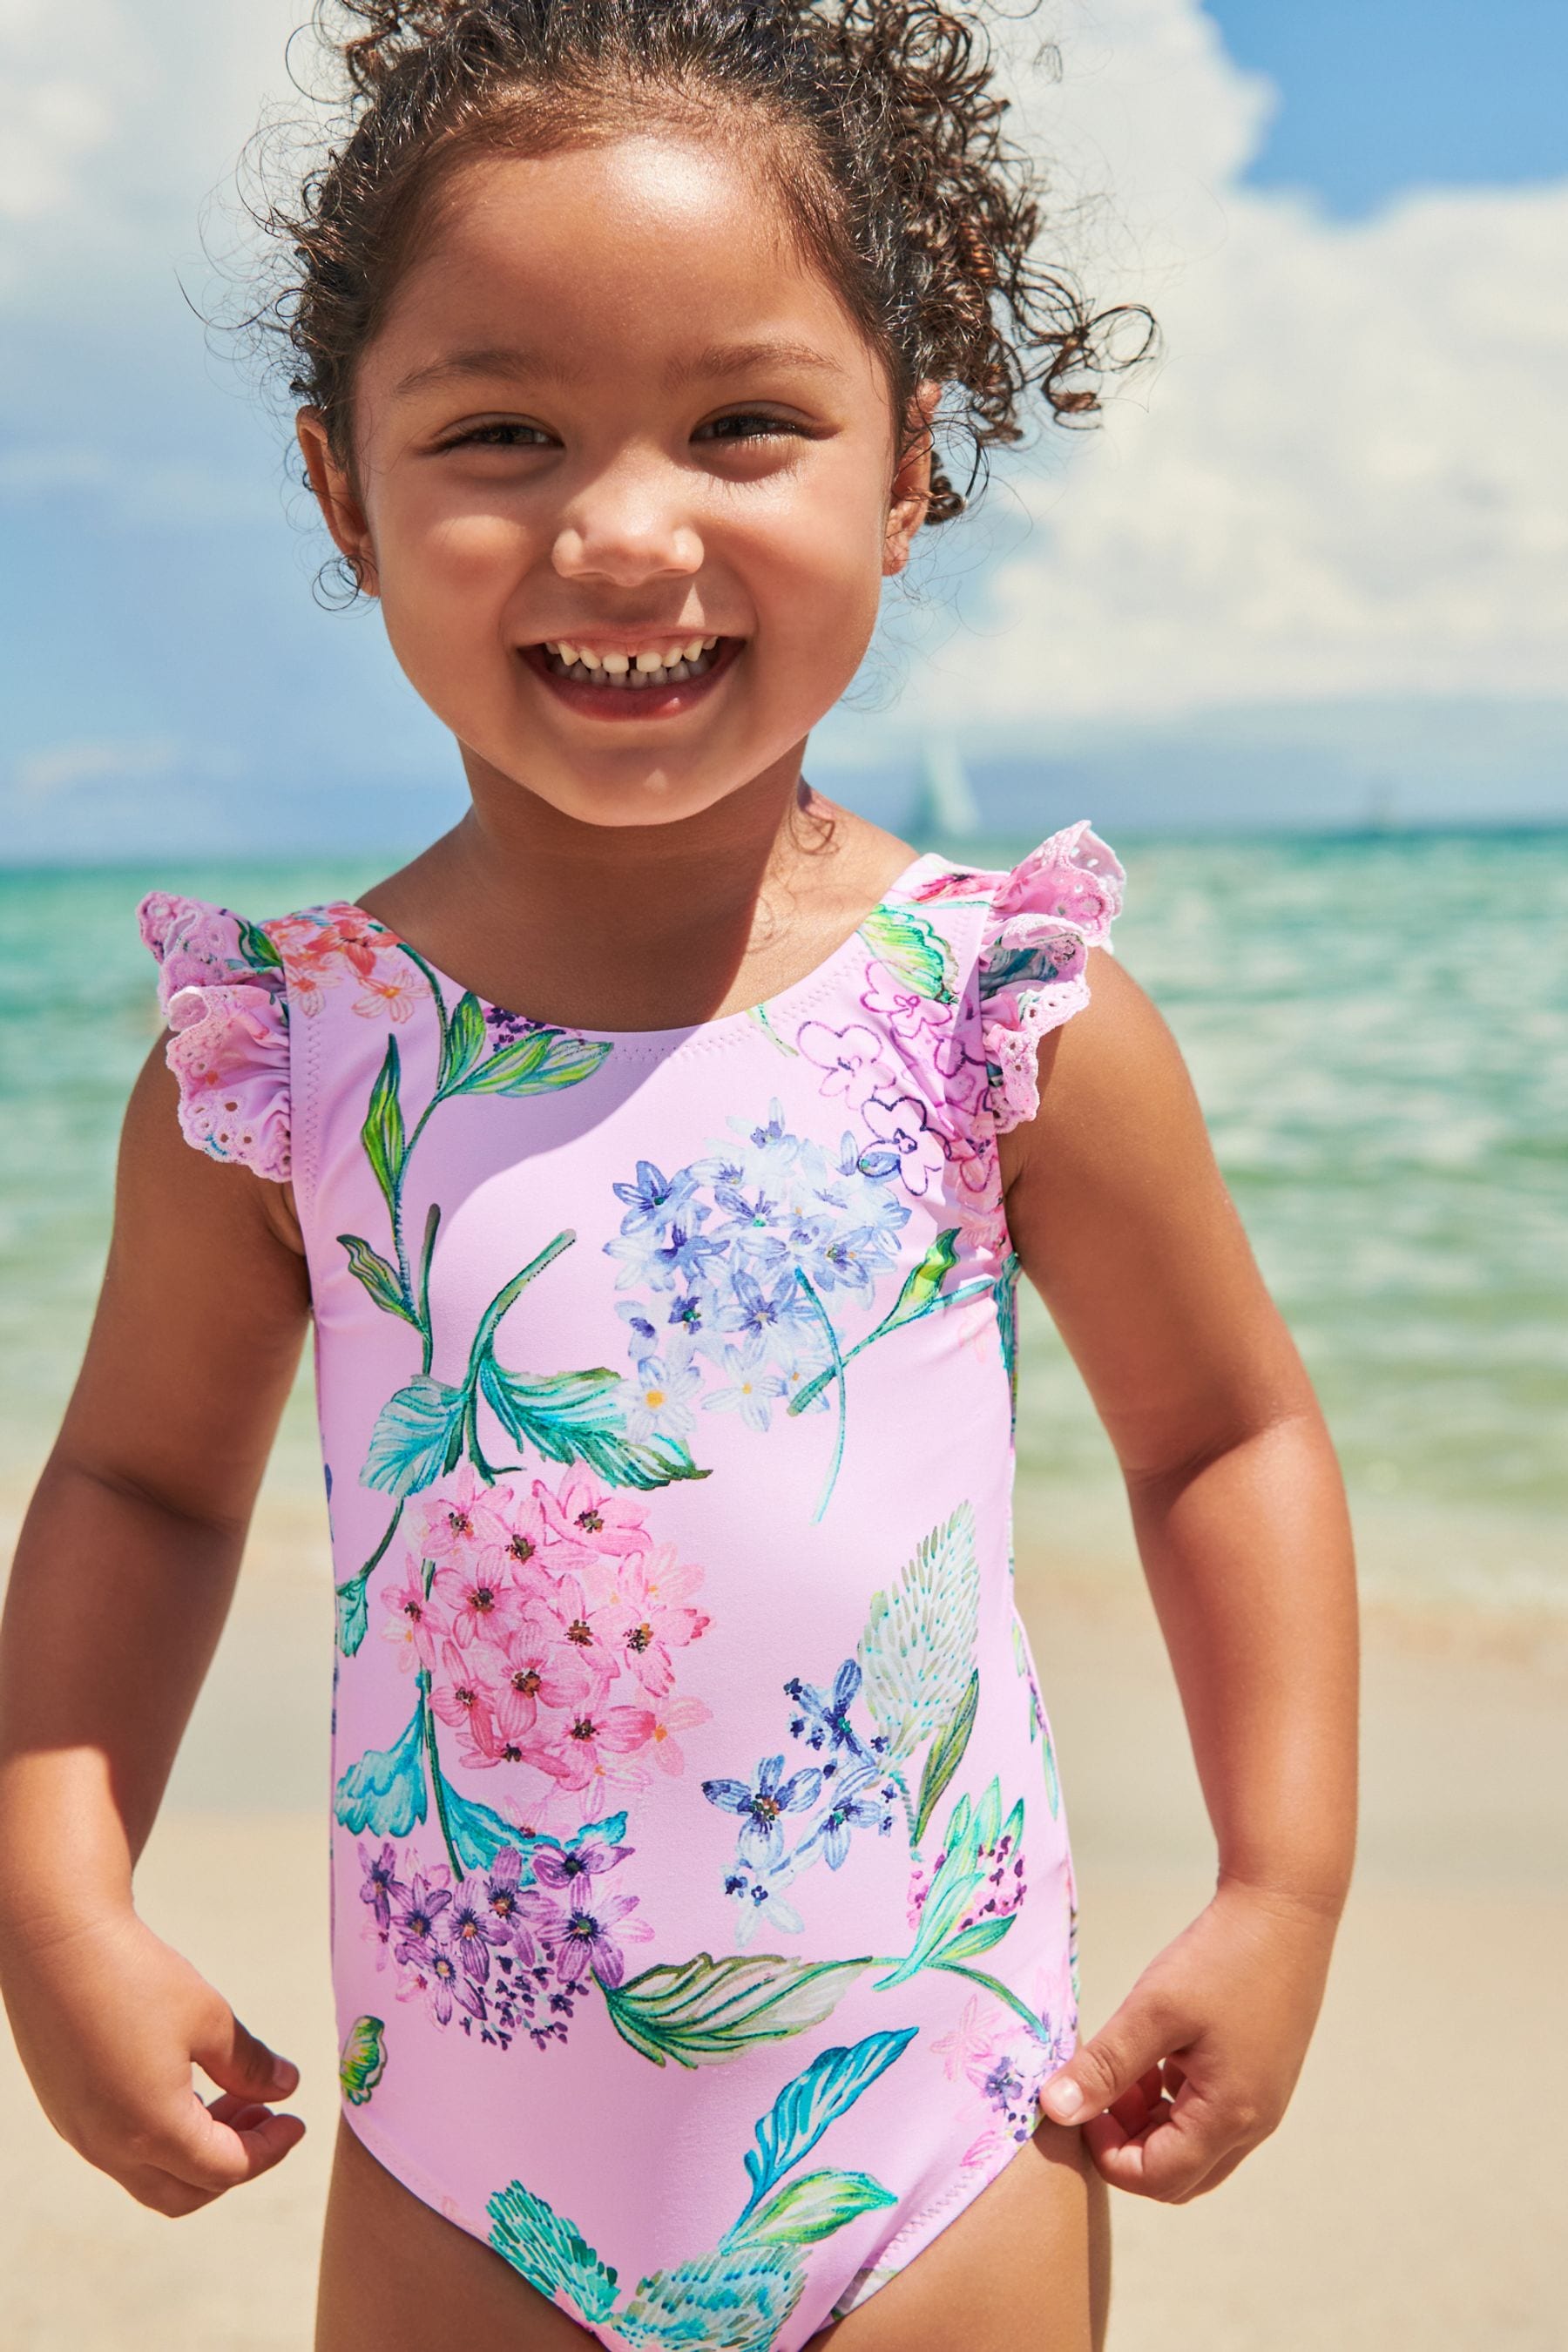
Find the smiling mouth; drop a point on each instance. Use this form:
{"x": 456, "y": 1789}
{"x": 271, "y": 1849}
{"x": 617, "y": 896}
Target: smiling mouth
{"x": 609, "y": 681}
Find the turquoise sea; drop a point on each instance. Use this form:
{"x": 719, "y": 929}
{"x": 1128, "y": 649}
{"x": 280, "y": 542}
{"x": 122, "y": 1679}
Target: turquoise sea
{"x": 1378, "y": 1030}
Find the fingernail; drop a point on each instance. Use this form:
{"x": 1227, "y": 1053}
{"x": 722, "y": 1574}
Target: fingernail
{"x": 1064, "y": 2098}
{"x": 285, "y": 2074}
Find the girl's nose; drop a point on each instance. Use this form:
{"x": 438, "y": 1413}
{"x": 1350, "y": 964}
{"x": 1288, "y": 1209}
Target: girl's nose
{"x": 625, "y": 528}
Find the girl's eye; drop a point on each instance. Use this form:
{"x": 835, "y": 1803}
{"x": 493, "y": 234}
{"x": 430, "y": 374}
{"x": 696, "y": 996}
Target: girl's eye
{"x": 749, "y": 424}
{"x": 502, "y": 435}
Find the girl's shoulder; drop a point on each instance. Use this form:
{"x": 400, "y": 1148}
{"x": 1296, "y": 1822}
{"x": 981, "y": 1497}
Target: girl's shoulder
{"x": 1036, "y": 923}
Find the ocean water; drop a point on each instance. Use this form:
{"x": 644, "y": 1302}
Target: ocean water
{"x": 1378, "y": 1030}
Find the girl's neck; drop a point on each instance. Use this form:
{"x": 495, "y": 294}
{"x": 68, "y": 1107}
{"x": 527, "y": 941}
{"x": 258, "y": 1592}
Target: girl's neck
{"x": 640, "y": 927}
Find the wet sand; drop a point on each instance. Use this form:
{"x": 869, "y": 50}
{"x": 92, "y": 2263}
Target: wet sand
{"x": 1409, "y": 2200}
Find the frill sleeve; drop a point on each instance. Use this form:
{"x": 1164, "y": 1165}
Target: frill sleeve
{"x": 221, "y": 990}
{"x": 1034, "y": 956}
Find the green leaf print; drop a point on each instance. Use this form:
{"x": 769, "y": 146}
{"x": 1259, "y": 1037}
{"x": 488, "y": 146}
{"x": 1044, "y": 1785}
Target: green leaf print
{"x": 814, "y": 2208}
{"x": 463, "y": 1044}
{"x": 804, "y": 2108}
{"x": 704, "y": 2012}
{"x": 382, "y": 1134}
{"x": 541, "y": 1063}
{"x": 385, "y": 1792}
{"x": 729, "y": 2302}
{"x": 257, "y": 947}
{"x": 945, "y": 1755}
{"x": 381, "y": 1280}
{"x": 576, "y": 1417}
{"x": 917, "y": 1650}
{"x": 922, "y": 1285}
{"x": 352, "y": 1614}
{"x": 364, "y": 2060}
{"x": 551, "y": 2252}
{"x": 969, "y": 1942}
{"x": 418, "y": 1434}
{"x": 912, "y": 950}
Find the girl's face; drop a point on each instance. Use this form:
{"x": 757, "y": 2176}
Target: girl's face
{"x": 612, "y": 411}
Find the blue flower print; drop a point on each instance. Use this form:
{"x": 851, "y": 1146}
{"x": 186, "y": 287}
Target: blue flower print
{"x": 762, "y": 1805}
{"x": 860, "y": 1801}
{"x": 823, "y": 1716}
{"x": 757, "y": 1313}
{"x": 654, "y": 1196}
{"x": 749, "y": 1391}
{"x": 644, "y": 1341}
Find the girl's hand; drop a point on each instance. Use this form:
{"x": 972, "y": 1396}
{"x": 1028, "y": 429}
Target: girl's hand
{"x": 1196, "y": 2066}
{"x": 107, "y": 2021}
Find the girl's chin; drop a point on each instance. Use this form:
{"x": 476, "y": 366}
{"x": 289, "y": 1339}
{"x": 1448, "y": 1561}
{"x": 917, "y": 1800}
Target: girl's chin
{"x": 620, "y": 703}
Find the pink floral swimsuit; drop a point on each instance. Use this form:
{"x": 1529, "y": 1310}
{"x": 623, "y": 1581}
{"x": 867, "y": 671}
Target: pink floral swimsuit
{"x": 703, "y": 1913}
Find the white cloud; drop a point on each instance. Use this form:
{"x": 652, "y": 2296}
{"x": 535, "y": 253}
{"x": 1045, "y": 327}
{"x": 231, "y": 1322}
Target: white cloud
{"x": 65, "y": 767}
{"x": 1345, "y": 477}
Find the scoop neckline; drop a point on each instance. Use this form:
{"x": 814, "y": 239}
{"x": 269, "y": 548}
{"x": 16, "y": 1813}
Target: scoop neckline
{"x": 724, "y": 1024}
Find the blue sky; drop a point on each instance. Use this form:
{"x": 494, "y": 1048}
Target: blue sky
{"x": 1380, "y": 94}
{"x": 1314, "y": 554}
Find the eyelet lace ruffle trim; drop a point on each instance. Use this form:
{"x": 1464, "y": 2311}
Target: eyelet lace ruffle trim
{"x": 1055, "y": 906}
{"x": 222, "y": 991}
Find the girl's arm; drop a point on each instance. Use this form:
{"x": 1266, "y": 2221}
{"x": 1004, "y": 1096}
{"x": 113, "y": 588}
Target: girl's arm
{"x": 118, "y": 1591}
{"x": 1121, "y": 1219}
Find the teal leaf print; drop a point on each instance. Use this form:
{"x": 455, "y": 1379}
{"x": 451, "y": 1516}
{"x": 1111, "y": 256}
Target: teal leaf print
{"x": 916, "y": 1651}
{"x": 550, "y": 2252}
{"x": 463, "y": 1044}
{"x": 475, "y": 1833}
{"x": 353, "y": 1614}
{"x": 727, "y": 2302}
{"x": 381, "y": 1280}
{"x": 920, "y": 1287}
{"x": 576, "y": 1417}
{"x": 383, "y": 1133}
{"x": 364, "y": 2060}
{"x": 541, "y": 1063}
{"x": 945, "y": 1755}
{"x": 418, "y": 1434}
{"x": 814, "y": 2208}
{"x": 912, "y": 950}
{"x": 385, "y": 1792}
{"x": 703, "y": 2011}
{"x": 804, "y": 2108}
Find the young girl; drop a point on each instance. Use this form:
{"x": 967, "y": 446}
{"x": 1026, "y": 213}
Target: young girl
{"x": 656, "y": 1157}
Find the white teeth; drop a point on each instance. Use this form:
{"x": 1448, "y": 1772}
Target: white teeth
{"x": 567, "y": 653}
{"x": 708, "y": 643}
{"x": 677, "y": 671}
{"x": 618, "y": 665}
{"x": 616, "y": 677}
{"x": 589, "y": 660}
{"x": 693, "y": 649}
{"x": 649, "y": 662}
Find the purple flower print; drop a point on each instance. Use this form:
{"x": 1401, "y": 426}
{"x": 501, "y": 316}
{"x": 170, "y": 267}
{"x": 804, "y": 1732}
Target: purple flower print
{"x": 851, "y": 1057}
{"x": 470, "y": 1927}
{"x": 424, "y": 1898}
{"x": 900, "y": 1122}
{"x": 447, "y": 1983}
{"x": 567, "y": 1866}
{"x": 499, "y": 1890}
{"x": 382, "y": 1886}
{"x": 587, "y": 1934}
{"x": 762, "y": 1806}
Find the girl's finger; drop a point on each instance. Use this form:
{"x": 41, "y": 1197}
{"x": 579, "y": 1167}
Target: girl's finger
{"x": 1170, "y": 2158}
{"x": 1131, "y": 2045}
{"x": 237, "y": 2061}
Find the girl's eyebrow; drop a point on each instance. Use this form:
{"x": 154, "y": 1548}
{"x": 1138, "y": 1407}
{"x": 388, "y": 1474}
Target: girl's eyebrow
{"x": 719, "y": 359}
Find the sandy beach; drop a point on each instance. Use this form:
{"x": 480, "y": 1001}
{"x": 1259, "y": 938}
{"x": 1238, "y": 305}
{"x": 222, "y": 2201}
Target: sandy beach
{"x": 1410, "y": 2199}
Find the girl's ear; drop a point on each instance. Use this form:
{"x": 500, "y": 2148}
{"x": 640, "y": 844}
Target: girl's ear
{"x": 911, "y": 482}
{"x": 338, "y": 499}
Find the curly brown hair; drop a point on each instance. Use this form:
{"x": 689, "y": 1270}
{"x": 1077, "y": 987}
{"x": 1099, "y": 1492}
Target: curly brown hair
{"x": 887, "y": 150}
